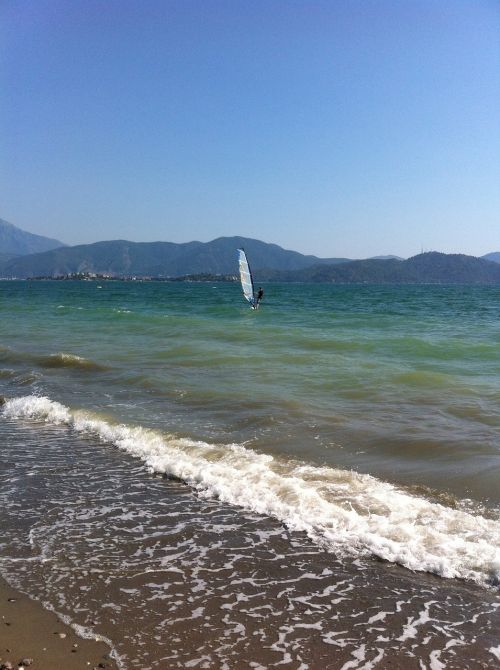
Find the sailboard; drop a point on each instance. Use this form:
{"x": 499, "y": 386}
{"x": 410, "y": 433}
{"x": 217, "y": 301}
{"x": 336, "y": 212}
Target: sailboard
{"x": 246, "y": 278}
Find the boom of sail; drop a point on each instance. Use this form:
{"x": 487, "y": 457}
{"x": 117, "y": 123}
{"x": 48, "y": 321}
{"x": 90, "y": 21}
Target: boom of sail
{"x": 246, "y": 277}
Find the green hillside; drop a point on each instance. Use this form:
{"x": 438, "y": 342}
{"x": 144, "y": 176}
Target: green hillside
{"x": 120, "y": 258}
{"x": 160, "y": 259}
{"x": 431, "y": 267}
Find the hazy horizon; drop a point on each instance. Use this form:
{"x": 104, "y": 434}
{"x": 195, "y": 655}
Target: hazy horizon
{"x": 358, "y": 257}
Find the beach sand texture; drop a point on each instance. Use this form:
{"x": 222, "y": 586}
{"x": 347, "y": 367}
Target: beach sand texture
{"x": 30, "y": 633}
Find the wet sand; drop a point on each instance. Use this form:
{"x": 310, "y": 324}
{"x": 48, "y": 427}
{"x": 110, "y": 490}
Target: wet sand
{"x": 174, "y": 579}
{"x": 30, "y": 632}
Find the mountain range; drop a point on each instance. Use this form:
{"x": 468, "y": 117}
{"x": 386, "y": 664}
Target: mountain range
{"x": 270, "y": 262}
{"x": 159, "y": 259}
{"x": 426, "y": 268}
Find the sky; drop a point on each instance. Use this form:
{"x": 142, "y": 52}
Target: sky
{"x": 340, "y": 128}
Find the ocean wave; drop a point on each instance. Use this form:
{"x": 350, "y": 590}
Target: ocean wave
{"x": 60, "y": 359}
{"x": 63, "y": 360}
{"x": 341, "y": 510}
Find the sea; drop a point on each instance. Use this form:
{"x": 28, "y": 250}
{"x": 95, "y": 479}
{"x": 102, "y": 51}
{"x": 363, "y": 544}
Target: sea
{"x": 310, "y": 485}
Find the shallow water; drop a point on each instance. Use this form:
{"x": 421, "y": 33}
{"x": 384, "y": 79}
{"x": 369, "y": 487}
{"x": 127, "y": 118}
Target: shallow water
{"x": 313, "y": 455}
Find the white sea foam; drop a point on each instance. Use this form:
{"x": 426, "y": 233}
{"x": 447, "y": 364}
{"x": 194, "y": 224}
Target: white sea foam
{"x": 341, "y": 510}
{"x": 495, "y": 651}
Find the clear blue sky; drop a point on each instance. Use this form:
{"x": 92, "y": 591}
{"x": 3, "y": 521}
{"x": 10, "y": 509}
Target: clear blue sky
{"x": 339, "y": 128}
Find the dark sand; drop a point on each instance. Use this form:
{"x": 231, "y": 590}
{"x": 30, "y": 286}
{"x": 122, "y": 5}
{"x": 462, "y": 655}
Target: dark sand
{"x": 27, "y": 631}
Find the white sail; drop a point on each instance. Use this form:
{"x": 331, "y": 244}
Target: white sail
{"x": 246, "y": 277}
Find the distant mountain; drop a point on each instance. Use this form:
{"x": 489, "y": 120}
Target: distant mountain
{"x": 269, "y": 262}
{"x": 165, "y": 259}
{"x": 427, "y": 268}
{"x": 494, "y": 256}
{"x": 17, "y": 242}
{"x": 385, "y": 258}
{"x": 7, "y": 257}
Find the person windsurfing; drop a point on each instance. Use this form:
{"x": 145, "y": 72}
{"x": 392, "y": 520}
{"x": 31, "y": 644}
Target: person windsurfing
{"x": 247, "y": 281}
{"x": 260, "y": 295}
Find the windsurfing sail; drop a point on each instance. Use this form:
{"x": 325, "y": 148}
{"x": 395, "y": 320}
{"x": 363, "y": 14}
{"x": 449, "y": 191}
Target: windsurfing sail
{"x": 246, "y": 277}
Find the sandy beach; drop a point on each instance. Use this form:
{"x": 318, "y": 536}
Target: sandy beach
{"x": 30, "y": 633}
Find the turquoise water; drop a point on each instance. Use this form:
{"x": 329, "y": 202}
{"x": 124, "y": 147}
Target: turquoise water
{"x": 399, "y": 382}
{"x": 200, "y": 483}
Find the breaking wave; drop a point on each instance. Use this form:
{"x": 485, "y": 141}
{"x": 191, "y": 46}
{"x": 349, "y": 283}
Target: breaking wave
{"x": 57, "y": 360}
{"x": 63, "y": 360}
{"x": 343, "y": 511}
